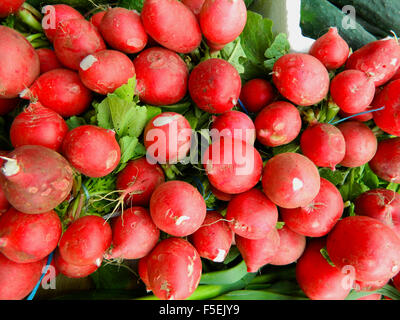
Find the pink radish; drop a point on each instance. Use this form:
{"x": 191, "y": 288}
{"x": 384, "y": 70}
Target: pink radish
{"x": 386, "y": 162}
{"x": 48, "y": 60}
{"x": 257, "y": 94}
{"x": 72, "y": 271}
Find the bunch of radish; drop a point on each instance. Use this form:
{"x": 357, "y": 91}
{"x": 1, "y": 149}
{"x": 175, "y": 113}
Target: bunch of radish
{"x": 277, "y": 210}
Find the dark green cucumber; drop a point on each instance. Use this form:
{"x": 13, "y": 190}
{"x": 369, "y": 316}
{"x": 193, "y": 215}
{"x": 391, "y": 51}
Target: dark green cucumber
{"x": 317, "y": 16}
{"x": 376, "y": 31}
{"x": 385, "y": 14}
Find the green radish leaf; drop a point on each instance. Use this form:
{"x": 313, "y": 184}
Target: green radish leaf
{"x": 225, "y": 276}
{"x": 234, "y": 54}
{"x": 128, "y": 145}
{"x": 325, "y": 254}
{"x": 178, "y": 108}
{"x": 75, "y": 122}
{"x": 290, "y": 147}
{"x": 132, "y": 4}
{"x": 337, "y": 177}
{"x": 279, "y": 225}
{"x": 279, "y": 48}
{"x": 152, "y": 112}
{"x": 127, "y": 91}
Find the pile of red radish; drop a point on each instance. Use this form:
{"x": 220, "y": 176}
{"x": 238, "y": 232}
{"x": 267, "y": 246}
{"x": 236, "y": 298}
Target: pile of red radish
{"x": 91, "y": 58}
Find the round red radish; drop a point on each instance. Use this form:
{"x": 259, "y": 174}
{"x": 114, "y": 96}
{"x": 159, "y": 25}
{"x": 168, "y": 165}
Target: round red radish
{"x": 161, "y": 76}
{"x": 367, "y": 245}
{"x": 256, "y": 94}
{"x": 290, "y": 180}
{"x": 234, "y": 124}
{"x": 353, "y": 91}
{"x": 318, "y": 217}
{"x": 20, "y": 64}
{"x": 301, "y": 78}
{"x": 85, "y": 241}
{"x": 122, "y": 29}
{"x": 106, "y": 70}
{"x": 222, "y": 21}
{"x": 142, "y": 271}
{"x": 4, "y": 204}
{"x": 194, "y": 5}
{"x": 291, "y": 247}
{"x": 221, "y": 195}
{"x": 252, "y": 215}
{"x": 396, "y": 281}
{"x": 171, "y": 24}
{"x": 134, "y": 234}
{"x": 370, "y": 285}
{"x": 277, "y": 124}
{"x": 7, "y": 105}
{"x": 386, "y": 162}
{"x": 323, "y": 144}
{"x": 138, "y": 180}
{"x": 76, "y": 39}
{"x": 177, "y": 208}
{"x": 26, "y": 238}
{"x": 37, "y": 125}
{"x": 91, "y": 150}
{"x": 174, "y": 269}
{"x": 96, "y": 18}
{"x": 213, "y": 240}
{"x": 396, "y": 75}
{"x": 389, "y": 98}
{"x": 232, "y": 166}
{"x": 62, "y": 91}
{"x": 381, "y": 204}
{"x": 318, "y": 279}
{"x": 70, "y": 270}
{"x": 35, "y": 179}
{"x": 379, "y": 60}
{"x": 361, "y": 143}
{"x": 48, "y": 60}
{"x": 17, "y": 280}
{"x": 54, "y": 15}
{"x": 214, "y": 85}
{"x": 331, "y": 49}
{"x": 167, "y": 138}
{"x": 8, "y": 7}
{"x": 257, "y": 253}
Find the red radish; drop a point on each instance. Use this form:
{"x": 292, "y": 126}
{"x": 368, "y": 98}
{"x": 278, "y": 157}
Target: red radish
{"x": 70, "y": 270}
{"x": 381, "y": 204}
{"x": 291, "y": 247}
{"x": 221, "y": 195}
{"x": 76, "y": 39}
{"x": 290, "y": 180}
{"x": 277, "y": 124}
{"x": 138, "y": 180}
{"x": 317, "y": 218}
{"x": 60, "y": 90}
{"x": 91, "y": 150}
{"x": 105, "y": 71}
{"x": 37, "y": 125}
{"x": 161, "y": 76}
{"x": 379, "y": 60}
{"x": 134, "y": 234}
{"x": 213, "y": 240}
{"x": 194, "y": 5}
{"x": 122, "y": 30}
{"x": 35, "y": 179}
{"x": 56, "y": 14}
{"x": 257, "y": 253}
{"x": 331, "y": 49}
{"x": 370, "y": 285}
{"x": 17, "y": 280}
{"x": 167, "y": 138}
{"x": 4, "y": 204}
{"x": 177, "y": 208}
{"x": 171, "y": 24}
{"x": 174, "y": 269}
{"x": 318, "y": 279}
{"x": 386, "y": 162}
{"x": 8, "y": 7}
{"x": 301, "y": 78}
{"x": 48, "y": 60}
{"x": 367, "y": 245}
{"x": 20, "y": 64}
{"x": 234, "y": 124}
{"x": 252, "y": 215}
{"x": 232, "y": 166}
{"x": 396, "y": 281}
{"x": 396, "y": 75}
{"x": 222, "y": 21}
{"x": 85, "y": 241}
{"x": 389, "y": 98}
{"x": 7, "y": 105}
{"x": 143, "y": 274}
{"x": 361, "y": 143}
{"x": 353, "y": 91}
{"x": 362, "y": 117}
{"x": 214, "y": 85}
{"x": 26, "y": 238}
{"x": 256, "y": 94}
{"x": 96, "y": 18}
{"x": 323, "y": 144}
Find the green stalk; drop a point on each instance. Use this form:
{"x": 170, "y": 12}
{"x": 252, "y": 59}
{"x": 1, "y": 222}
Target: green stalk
{"x": 32, "y": 10}
{"x": 256, "y": 295}
{"x": 223, "y": 277}
{"x": 27, "y": 17}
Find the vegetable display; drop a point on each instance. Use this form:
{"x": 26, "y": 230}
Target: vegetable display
{"x": 182, "y": 150}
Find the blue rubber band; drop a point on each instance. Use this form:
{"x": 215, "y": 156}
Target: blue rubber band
{"x": 208, "y": 196}
{"x": 354, "y": 115}
{"x": 199, "y": 185}
{"x": 211, "y": 209}
{"x": 243, "y": 107}
{"x": 33, "y": 293}
{"x": 85, "y": 190}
